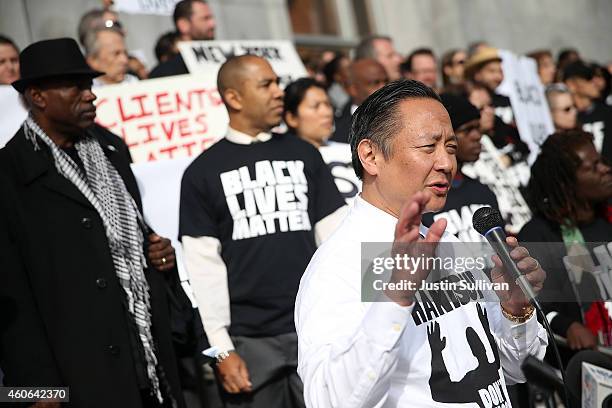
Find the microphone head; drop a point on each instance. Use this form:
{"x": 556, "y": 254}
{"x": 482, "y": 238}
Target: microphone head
{"x": 485, "y": 219}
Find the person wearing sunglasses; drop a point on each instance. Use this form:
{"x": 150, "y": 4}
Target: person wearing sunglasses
{"x": 562, "y": 107}
{"x": 453, "y": 62}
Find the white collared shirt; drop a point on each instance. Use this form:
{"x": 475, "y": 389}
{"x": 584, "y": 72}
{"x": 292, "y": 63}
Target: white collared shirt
{"x": 238, "y": 137}
{"x": 358, "y": 354}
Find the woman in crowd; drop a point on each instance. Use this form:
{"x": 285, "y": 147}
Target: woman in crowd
{"x": 562, "y": 107}
{"x": 546, "y": 65}
{"x": 568, "y": 193}
{"x": 309, "y": 115}
{"x": 308, "y": 111}
{"x": 9, "y": 61}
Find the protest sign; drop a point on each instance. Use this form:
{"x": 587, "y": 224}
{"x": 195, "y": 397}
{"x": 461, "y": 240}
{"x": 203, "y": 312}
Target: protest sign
{"x": 165, "y": 118}
{"x": 207, "y": 56}
{"x": 504, "y": 181}
{"x": 338, "y": 158}
{"x": 158, "y": 7}
{"x": 522, "y": 85}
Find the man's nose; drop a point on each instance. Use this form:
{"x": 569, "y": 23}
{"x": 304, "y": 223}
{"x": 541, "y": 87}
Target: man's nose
{"x": 88, "y": 95}
{"x": 278, "y": 92}
{"x": 444, "y": 161}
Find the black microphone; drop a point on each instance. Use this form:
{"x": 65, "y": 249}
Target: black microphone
{"x": 489, "y": 223}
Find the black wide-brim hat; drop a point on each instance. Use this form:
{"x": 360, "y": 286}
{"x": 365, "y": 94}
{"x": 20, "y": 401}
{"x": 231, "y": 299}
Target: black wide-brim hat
{"x": 60, "y": 57}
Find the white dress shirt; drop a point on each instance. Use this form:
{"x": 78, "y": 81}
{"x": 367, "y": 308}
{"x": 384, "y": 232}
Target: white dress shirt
{"x": 358, "y": 354}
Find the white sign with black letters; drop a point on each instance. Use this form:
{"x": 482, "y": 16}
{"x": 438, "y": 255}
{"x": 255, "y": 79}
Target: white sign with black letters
{"x": 532, "y": 115}
{"x": 208, "y": 56}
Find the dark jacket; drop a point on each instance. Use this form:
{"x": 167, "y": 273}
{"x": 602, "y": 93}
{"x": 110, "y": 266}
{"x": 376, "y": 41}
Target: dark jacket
{"x": 63, "y": 322}
{"x": 343, "y": 124}
{"x": 174, "y": 66}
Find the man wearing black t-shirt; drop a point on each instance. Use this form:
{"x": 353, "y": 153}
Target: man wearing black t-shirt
{"x": 595, "y": 117}
{"x": 466, "y": 194}
{"x": 253, "y": 208}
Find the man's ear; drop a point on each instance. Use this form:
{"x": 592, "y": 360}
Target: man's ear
{"x": 183, "y": 26}
{"x": 36, "y": 97}
{"x": 233, "y": 99}
{"x": 369, "y": 156}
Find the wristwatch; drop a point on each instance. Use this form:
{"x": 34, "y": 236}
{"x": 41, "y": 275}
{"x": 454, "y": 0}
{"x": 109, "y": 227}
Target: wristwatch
{"x": 223, "y": 355}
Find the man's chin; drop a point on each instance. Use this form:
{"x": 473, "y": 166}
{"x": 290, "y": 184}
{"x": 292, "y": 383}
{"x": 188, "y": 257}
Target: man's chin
{"x": 435, "y": 204}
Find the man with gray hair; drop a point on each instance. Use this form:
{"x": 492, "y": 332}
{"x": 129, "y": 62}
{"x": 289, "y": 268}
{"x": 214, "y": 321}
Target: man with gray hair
{"x": 105, "y": 51}
{"x": 96, "y": 19}
{"x": 380, "y": 48}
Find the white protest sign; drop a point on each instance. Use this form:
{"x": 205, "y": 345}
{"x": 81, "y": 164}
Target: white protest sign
{"x": 13, "y": 113}
{"x": 504, "y": 181}
{"x": 207, "y": 56}
{"x": 522, "y": 85}
{"x": 158, "y": 7}
{"x": 166, "y": 118}
{"x": 160, "y": 187}
{"x": 338, "y": 158}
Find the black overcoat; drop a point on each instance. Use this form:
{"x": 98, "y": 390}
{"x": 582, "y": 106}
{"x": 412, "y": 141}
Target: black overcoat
{"x": 62, "y": 316}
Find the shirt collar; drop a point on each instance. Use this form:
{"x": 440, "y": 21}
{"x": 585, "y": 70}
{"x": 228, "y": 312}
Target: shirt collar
{"x": 237, "y": 137}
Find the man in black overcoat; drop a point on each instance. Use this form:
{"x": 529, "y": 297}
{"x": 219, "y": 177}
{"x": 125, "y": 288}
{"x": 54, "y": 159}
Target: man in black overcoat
{"x": 83, "y": 281}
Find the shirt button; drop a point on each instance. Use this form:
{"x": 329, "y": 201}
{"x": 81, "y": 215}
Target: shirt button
{"x": 86, "y": 222}
{"x": 371, "y": 375}
{"x": 397, "y": 327}
{"x": 101, "y": 283}
{"x": 114, "y": 350}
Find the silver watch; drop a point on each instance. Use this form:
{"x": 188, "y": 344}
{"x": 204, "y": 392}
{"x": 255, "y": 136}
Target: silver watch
{"x": 223, "y": 355}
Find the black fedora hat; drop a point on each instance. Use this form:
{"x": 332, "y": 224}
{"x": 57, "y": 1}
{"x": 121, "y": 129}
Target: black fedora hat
{"x": 60, "y": 57}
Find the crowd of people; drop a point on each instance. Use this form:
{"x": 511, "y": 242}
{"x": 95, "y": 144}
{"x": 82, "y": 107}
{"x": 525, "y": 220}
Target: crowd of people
{"x": 90, "y": 293}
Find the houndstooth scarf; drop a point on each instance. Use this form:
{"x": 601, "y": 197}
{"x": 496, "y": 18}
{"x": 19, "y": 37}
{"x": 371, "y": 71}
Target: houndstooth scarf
{"x": 105, "y": 190}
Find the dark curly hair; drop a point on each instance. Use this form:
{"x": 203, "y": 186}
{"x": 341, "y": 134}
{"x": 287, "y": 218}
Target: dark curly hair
{"x": 551, "y": 191}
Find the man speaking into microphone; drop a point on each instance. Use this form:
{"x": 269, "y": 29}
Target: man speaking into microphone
{"x": 408, "y": 349}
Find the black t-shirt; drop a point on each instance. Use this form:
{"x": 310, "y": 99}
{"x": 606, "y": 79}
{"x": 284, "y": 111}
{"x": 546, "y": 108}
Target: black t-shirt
{"x": 464, "y": 198}
{"x": 262, "y": 202}
{"x": 598, "y": 121}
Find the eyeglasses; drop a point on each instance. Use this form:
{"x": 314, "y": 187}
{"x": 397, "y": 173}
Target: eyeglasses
{"x": 567, "y": 109}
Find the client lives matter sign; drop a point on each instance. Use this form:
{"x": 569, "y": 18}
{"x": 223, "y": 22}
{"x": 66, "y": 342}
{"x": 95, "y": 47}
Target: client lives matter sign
{"x": 165, "y": 118}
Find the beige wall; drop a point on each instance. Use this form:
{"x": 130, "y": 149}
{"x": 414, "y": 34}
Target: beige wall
{"x": 517, "y": 25}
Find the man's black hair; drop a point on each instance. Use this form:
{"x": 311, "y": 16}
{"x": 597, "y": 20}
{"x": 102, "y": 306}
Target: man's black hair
{"x": 164, "y": 47}
{"x": 377, "y": 118}
{"x": 183, "y": 9}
